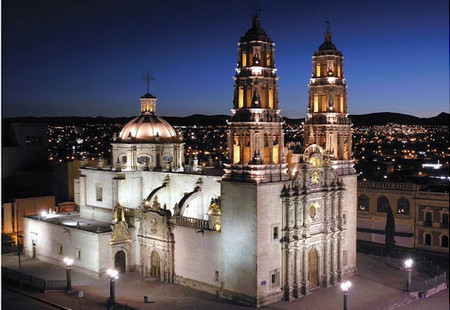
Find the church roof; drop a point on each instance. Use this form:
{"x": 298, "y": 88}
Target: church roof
{"x": 148, "y": 128}
{"x": 256, "y": 33}
{"x": 327, "y": 47}
{"x": 148, "y": 95}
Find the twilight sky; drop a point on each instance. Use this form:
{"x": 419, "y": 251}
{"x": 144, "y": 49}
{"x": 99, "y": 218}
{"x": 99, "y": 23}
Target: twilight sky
{"x": 88, "y": 57}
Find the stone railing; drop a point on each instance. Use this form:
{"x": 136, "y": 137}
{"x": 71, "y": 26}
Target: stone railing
{"x": 394, "y": 186}
{"x": 191, "y": 222}
{"x": 432, "y": 195}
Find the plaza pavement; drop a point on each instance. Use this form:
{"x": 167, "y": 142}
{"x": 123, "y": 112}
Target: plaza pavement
{"x": 377, "y": 286}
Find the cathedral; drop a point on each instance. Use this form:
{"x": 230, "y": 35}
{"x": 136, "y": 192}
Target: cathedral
{"x": 276, "y": 225}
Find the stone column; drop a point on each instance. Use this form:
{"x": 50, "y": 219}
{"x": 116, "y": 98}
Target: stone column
{"x": 326, "y": 263}
{"x": 241, "y": 148}
{"x": 305, "y": 279}
{"x": 270, "y": 146}
{"x": 297, "y": 273}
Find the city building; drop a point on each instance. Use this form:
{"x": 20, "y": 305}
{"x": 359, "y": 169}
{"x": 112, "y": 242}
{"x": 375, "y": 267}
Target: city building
{"x": 421, "y": 216}
{"x": 257, "y": 234}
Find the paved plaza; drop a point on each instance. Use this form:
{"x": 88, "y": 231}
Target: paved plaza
{"x": 378, "y": 286}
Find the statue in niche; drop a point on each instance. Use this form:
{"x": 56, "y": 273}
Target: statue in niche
{"x": 176, "y": 209}
{"x": 120, "y": 228}
{"x": 119, "y": 214}
{"x": 156, "y": 205}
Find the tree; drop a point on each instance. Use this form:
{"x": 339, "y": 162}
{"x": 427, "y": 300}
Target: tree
{"x": 390, "y": 232}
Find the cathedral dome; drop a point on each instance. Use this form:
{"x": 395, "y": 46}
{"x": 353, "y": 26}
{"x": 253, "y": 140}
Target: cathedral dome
{"x": 327, "y": 47}
{"x": 256, "y": 33}
{"x": 148, "y": 128}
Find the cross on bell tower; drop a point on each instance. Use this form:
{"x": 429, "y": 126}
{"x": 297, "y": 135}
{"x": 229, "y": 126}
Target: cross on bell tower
{"x": 148, "y": 79}
{"x": 148, "y": 101}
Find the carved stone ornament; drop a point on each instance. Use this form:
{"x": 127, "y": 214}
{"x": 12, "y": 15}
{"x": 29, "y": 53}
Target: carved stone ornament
{"x": 120, "y": 233}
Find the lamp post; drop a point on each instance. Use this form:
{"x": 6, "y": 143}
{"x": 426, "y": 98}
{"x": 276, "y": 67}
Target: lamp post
{"x": 69, "y": 262}
{"x": 408, "y": 266}
{"x": 345, "y": 287}
{"x": 113, "y": 275}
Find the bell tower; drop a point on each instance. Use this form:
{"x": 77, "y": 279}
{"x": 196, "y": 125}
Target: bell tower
{"x": 251, "y": 258}
{"x": 327, "y": 124}
{"x": 255, "y": 135}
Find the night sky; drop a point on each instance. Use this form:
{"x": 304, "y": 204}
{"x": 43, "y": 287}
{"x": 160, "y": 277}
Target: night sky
{"x": 88, "y": 58}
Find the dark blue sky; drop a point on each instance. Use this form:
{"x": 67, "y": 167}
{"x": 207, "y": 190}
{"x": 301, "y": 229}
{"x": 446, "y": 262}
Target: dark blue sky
{"x": 88, "y": 58}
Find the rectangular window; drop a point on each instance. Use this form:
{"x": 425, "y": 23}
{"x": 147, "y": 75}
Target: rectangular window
{"x": 275, "y": 154}
{"x": 271, "y": 98}
{"x": 99, "y": 193}
{"x": 59, "y": 248}
{"x": 249, "y": 97}
{"x": 275, "y": 278}
{"x": 324, "y": 103}
{"x": 216, "y": 276}
{"x": 78, "y": 253}
{"x": 264, "y": 98}
{"x": 241, "y": 98}
{"x": 316, "y": 103}
{"x": 275, "y": 233}
{"x": 428, "y": 219}
{"x": 444, "y": 221}
{"x": 244, "y": 59}
{"x": 268, "y": 62}
{"x": 236, "y": 153}
{"x": 318, "y": 70}
{"x": 13, "y": 217}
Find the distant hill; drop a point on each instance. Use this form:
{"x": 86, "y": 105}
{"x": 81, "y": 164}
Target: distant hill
{"x": 197, "y": 119}
{"x": 214, "y": 120}
{"x": 398, "y": 118}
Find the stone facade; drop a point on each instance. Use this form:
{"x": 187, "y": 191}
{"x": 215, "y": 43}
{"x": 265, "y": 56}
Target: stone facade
{"x": 256, "y": 235}
{"x": 417, "y": 214}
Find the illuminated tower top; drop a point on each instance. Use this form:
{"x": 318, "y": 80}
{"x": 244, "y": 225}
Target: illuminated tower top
{"x": 255, "y": 137}
{"x": 327, "y": 124}
{"x": 256, "y": 89}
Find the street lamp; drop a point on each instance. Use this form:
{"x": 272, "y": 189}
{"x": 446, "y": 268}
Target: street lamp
{"x": 345, "y": 287}
{"x": 69, "y": 262}
{"x": 408, "y": 266}
{"x": 113, "y": 275}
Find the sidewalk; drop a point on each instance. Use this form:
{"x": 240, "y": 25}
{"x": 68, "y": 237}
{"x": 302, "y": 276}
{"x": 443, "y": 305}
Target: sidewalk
{"x": 376, "y": 286}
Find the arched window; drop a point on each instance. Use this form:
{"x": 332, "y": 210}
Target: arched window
{"x": 428, "y": 239}
{"x": 444, "y": 241}
{"x": 124, "y": 159}
{"x": 363, "y": 202}
{"x": 240, "y": 98}
{"x": 144, "y": 159}
{"x": 316, "y": 103}
{"x": 403, "y": 206}
{"x": 382, "y": 204}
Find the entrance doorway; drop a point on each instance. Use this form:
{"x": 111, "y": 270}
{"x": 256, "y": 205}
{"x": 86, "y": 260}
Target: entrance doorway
{"x": 313, "y": 268}
{"x": 155, "y": 270}
{"x": 120, "y": 262}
